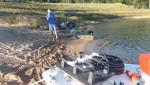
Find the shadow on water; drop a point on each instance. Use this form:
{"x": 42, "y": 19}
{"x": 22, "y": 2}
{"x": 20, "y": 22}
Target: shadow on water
{"x": 125, "y": 38}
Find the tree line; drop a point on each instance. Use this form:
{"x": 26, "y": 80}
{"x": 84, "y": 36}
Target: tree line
{"x": 135, "y": 3}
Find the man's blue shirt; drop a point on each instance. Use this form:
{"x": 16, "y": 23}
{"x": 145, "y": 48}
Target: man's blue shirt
{"x": 51, "y": 18}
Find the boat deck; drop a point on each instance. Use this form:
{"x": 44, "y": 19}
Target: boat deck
{"x": 82, "y": 77}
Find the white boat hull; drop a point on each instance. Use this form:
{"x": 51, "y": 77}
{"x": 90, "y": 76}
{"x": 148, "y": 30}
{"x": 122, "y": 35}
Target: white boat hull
{"x": 57, "y": 77}
{"x": 125, "y": 79}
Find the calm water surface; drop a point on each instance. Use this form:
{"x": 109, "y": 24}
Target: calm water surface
{"x": 125, "y": 38}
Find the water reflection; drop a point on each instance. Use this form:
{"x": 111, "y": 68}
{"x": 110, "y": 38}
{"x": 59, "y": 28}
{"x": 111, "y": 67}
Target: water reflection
{"x": 127, "y": 38}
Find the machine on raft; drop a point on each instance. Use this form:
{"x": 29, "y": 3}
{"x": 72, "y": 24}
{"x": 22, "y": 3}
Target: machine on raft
{"x": 98, "y": 69}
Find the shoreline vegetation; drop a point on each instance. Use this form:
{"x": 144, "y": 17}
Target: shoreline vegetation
{"x": 33, "y": 14}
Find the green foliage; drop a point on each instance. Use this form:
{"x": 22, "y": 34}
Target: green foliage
{"x": 140, "y": 3}
{"x": 135, "y": 3}
{"x": 33, "y": 14}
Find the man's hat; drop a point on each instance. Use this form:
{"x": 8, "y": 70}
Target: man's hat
{"x": 48, "y": 10}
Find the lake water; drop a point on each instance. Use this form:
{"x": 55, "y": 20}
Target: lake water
{"x": 125, "y": 38}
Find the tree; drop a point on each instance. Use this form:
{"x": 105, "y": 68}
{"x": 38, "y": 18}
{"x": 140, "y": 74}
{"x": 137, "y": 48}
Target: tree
{"x": 149, "y": 4}
{"x": 80, "y": 1}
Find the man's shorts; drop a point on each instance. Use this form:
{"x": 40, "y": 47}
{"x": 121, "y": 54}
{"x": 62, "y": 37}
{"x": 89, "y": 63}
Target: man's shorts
{"x": 52, "y": 27}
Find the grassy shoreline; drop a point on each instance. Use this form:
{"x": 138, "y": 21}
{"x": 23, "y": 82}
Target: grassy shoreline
{"x": 79, "y": 12}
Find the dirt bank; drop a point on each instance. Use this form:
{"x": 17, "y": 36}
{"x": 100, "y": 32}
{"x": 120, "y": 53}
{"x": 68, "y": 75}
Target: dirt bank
{"x": 25, "y": 53}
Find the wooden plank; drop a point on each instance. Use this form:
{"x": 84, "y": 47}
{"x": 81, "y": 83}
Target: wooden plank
{"x": 86, "y": 37}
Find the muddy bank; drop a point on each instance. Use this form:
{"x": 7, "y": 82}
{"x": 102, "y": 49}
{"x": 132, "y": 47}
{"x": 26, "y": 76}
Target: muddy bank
{"x": 123, "y": 18}
{"x": 25, "y": 53}
{"x": 74, "y": 47}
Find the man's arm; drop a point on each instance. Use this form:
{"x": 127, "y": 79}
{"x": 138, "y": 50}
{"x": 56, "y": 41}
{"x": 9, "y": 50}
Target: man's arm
{"x": 47, "y": 17}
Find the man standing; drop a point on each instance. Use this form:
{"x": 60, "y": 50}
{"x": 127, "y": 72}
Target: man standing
{"x": 52, "y": 21}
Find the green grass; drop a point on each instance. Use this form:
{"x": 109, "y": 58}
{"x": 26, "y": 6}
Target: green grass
{"x": 73, "y": 12}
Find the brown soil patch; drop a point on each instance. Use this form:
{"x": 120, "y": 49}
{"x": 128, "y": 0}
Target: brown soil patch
{"x": 26, "y": 53}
